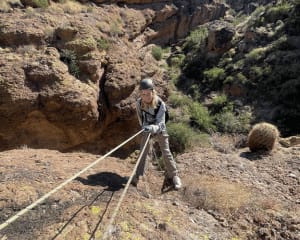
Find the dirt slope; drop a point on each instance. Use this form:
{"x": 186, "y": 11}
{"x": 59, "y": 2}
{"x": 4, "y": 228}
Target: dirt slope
{"x": 228, "y": 193}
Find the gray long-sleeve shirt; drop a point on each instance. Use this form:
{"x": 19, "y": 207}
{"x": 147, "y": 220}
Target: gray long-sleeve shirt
{"x": 147, "y": 117}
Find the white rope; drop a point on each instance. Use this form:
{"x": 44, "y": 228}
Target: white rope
{"x": 109, "y": 226}
{"x": 43, "y": 198}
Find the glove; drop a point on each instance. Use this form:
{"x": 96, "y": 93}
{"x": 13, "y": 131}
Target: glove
{"x": 151, "y": 128}
{"x": 147, "y": 128}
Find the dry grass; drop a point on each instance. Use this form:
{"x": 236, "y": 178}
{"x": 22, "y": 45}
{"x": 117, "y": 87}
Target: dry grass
{"x": 222, "y": 143}
{"x": 228, "y": 143}
{"x": 229, "y": 198}
{"x": 68, "y": 6}
{"x": 73, "y": 7}
{"x": 267, "y": 203}
{"x": 55, "y": 8}
{"x": 30, "y": 12}
{"x": 221, "y": 195}
{"x": 103, "y": 27}
{"x": 28, "y": 50}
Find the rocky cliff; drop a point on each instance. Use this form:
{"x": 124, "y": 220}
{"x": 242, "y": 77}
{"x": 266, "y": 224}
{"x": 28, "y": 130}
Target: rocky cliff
{"x": 69, "y": 70}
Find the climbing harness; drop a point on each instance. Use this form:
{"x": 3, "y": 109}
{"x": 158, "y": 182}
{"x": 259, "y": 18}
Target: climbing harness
{"x": 43, "y": 198}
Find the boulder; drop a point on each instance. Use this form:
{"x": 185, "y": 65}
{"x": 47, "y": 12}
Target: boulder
{"x": 220, "y": 34}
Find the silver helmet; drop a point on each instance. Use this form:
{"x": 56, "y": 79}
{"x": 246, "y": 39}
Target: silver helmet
{"x": 146, "y": 83}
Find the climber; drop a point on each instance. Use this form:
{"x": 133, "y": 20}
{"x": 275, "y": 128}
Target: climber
{"x": 151, "y": 112}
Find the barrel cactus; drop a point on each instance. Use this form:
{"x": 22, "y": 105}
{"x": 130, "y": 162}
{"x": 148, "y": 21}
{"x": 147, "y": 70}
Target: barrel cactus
{"x": 263, "y": 136}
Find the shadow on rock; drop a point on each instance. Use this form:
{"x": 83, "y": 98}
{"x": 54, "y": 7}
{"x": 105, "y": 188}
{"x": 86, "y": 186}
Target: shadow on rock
{"x": 112, "y": 181}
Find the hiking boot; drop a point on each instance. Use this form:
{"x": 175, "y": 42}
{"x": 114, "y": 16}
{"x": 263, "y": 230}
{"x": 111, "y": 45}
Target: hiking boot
{"x": 167, "y": 182}
{"x": 177, "y": 182}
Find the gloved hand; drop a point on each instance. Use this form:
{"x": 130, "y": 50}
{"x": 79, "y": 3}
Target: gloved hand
{"x": 151, "y": 128}
{"x": 147, "y": 128}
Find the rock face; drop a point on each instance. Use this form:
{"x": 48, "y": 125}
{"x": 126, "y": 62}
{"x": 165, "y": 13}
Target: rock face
{"x": 69, "y": 73}
{"x": 174, "y": 20}
{"x": 246, "y": 5}
{"x": 220, "y": 34}
{"x": 40, "y": 100}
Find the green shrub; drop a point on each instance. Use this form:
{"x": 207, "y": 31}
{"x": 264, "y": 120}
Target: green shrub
{"x": 256, "y": 54}
{"x": 159, "y": 161}
{"x": 282, "y": 43}
{"x": 174, "y": 69}
{"x": 166, "y": 52}
{"x": 229, "y": 79}
{"x": 177, "y": 60}
{"x": 257, "y": 18}
{"x": 214, "y": 77}
{"x": 256, "y": 73}
{"x": 177, "y": 100}
{"x": 157, "y": 52}
{"x": 82, "y": 46}
{"x": 195, "y": 92}
{"x": 227, "y": 122}
{"x": 174, "y": 74}
{"x": 41, "y": 3}
{"x": 244, "y": 119}
{"x": 220, "y": 103}
{"x": 240, "y": 78}
{"x": 280, "y": 11}
{"x": 115, "y": 29}
{"x": 225, "y": 61}
{"x": 70, "y": 58}
{"x": 200, "y": 117}
{"x": 239, "y": 18}
{"x": 182, "y": 137}
{"x": 220, "y": 100}
{"x": 195, "y": 39}
{"x": 239, "y": 65}
{"x": 103, "y": 44}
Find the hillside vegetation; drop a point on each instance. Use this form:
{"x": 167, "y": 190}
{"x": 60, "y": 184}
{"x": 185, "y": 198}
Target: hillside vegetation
{"x": 241, "y": 70}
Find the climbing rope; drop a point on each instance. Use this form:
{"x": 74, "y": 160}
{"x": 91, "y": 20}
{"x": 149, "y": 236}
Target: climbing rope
{"x": 43, "y": 198}
{"x": 108, "y": 230}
